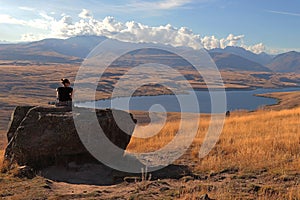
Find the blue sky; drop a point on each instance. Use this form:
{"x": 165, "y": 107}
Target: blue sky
{"x": 274, "y": 24}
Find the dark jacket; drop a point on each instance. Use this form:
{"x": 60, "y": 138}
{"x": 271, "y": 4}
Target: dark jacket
{"x": 64, "y": 94}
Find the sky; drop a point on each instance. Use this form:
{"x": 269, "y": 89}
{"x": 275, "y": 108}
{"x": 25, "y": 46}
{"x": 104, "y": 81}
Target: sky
{"x": 271, "y": 26}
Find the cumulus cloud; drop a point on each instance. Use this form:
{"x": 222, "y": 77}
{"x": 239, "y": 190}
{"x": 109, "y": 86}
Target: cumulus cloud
{"x": 132, "y": 31}
{"x": 211, "y": 42}
{"x": 85, "y": 14}
{"x": 257, "y": 48}
{"x": 136, "y": 32}
{"x": 233, "y": 40}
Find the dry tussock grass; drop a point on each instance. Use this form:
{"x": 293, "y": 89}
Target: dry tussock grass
{"x": 250, "y": 142}
{"x": 1, "y": 159}
{"x": 1, "y": 156}
{"x": 287, "y": 100}
{"x": 161, "y": 136}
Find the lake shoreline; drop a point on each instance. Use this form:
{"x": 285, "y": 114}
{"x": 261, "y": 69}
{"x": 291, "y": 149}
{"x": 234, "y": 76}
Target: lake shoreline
{"x": 195, "y": 89}
{"x": 236, "y": 100}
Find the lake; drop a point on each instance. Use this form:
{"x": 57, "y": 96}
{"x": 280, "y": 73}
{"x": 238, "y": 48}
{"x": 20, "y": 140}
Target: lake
{"x": 236, "y": 100}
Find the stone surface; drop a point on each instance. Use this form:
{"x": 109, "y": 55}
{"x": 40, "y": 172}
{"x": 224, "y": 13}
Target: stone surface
{"x": 16, "y": 118}
{"x": 44, "y": 136}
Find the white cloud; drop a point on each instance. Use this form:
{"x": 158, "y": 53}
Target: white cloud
{"x": 85, "y": 14}
{"x": 159, "y": 5}
{"x": 257, "y": 48}
{"x": 129, "y": 31}
{"x": 284, "y": 13}
{"x": 28, "y": 37}
{"x": 46, "y": 16}
{"x": 210, "y": 42}
{"x": 233, "y": 40}
{"x": 136, "y": 32}
{"x": 26, "y": 8}
{"x": 7, "y": 19}
{"x": 35, "y": 23}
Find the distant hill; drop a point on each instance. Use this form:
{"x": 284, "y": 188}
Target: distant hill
{"x": 79, "y": 46}
{"x": 71, "y": 50}
{"x": 222, "y": 60}
{"x": 286, "y": 62}
{"x": 262, "y": 58}
{"x": 75, "y": 49}
{"x": 235, "y": 62}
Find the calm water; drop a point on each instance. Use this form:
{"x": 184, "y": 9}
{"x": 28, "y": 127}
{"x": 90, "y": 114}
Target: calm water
{"x": 236, "y": 99}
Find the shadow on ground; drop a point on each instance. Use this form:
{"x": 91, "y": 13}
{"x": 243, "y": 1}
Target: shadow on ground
{"x": 99, "y": 174}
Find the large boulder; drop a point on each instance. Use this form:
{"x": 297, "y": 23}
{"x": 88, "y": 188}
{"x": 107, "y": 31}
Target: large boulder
{"x": 43, "y": 136}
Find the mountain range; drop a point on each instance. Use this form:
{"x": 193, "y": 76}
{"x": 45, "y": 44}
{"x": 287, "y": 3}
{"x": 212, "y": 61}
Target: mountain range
{"x": 74, "y": 50}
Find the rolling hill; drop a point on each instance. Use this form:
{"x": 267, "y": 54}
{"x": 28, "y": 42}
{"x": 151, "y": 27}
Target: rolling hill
{"x": 235, "y": 62}
{"x": 74, "y": 50}
{"x": 286, "y": 62}
{"x": 71, "y": 50}
{"x": 262, "y": 58}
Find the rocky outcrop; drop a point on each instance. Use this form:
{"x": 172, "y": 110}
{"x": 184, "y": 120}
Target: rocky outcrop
{"x": 44, "y": 136}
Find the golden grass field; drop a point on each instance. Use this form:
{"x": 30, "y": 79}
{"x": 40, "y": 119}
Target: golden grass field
{"x": 249, "y": 142}
{"x": 257, "y": 155}
{"x": 287, "y": 100}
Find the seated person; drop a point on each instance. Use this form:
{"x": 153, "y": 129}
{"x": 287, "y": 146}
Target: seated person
{"x": 64, "y": 94}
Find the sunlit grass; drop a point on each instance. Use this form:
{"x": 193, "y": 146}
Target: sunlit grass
{"x": 260, "y": 140}
{"x": 1, "y": 158}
